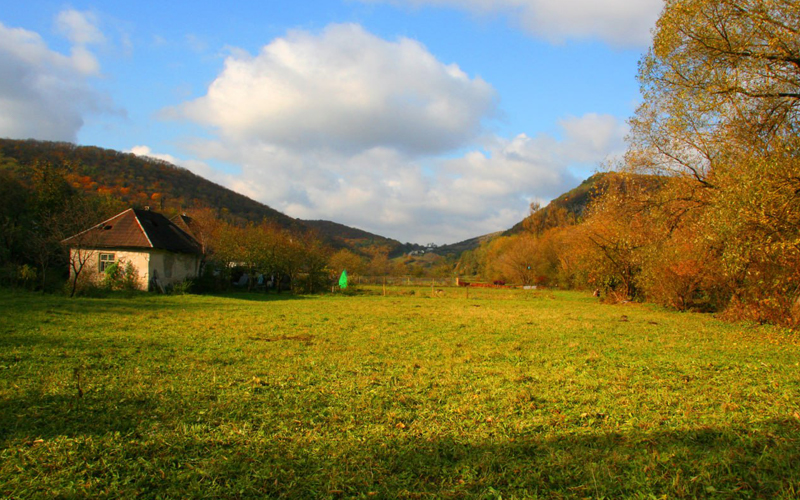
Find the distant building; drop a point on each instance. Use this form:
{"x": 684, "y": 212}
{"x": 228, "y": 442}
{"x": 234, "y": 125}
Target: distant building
{"x": 159, "y": 249}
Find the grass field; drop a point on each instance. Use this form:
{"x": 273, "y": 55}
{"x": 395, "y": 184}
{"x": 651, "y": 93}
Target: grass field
{"x": 519, "y": 394}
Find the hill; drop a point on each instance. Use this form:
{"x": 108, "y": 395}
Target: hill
{"x": 139, "y": 181}
{"x": 566, "y": 209}
{"x": 456, "y": 249}
{"x": 342, "y": 236}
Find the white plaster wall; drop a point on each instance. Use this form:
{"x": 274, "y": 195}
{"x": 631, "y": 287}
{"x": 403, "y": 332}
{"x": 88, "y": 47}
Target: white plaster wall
{"x": 173, "y": 267}
{"x": 140, "y": 260}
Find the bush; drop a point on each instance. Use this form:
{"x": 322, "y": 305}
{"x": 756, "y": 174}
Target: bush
{"x": 86, "y": 286}
{"x": 120, "y": 276}
{"x": 181, "y": 288}
{"x": 26, "y": 276}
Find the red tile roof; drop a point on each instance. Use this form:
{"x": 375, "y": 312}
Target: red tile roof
{"x": 136, "y": 228}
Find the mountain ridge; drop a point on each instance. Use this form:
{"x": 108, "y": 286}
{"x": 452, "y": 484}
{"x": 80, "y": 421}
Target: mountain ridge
{"x": 141, "y": 181}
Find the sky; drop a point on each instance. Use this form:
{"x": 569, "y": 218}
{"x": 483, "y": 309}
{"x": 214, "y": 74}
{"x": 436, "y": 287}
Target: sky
{"x": 427, "y": 121}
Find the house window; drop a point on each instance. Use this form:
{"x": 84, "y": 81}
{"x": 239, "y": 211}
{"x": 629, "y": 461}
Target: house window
{"x": 105, "y": 260}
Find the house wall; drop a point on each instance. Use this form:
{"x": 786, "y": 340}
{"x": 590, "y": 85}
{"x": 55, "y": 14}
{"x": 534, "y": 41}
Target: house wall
{"x": 91, "y": 269}
{"x": 173, "y": 268}
{"x": 170, "y": 268}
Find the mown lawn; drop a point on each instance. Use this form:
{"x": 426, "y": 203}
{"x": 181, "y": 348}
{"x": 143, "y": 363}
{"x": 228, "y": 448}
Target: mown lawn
{"x": 519, "y": 394}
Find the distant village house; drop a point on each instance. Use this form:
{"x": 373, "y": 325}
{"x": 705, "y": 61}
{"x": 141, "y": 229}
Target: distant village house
{"x": 161, "y": 251}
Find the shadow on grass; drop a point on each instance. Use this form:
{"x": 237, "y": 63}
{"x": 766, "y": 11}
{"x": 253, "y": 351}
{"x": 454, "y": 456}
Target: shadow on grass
{"x": 257, "y": 296}
{"x": 30, "y": 304}
{"x": 709, "y": 461}
{"x": 729, "y": 461}
{"x": 36, "y": 416}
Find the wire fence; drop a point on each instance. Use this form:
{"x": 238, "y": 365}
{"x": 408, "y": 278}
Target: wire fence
{"x": 426, "y": 281}
{"x": 403, "y": 281}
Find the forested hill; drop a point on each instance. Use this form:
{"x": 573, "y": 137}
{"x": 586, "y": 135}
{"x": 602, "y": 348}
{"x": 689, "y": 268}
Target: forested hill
{"x": 358, "y": 239}
{"x": 456, "y": 249}
{"x": 139, "y": 181}
{"x": 567, "y": 209}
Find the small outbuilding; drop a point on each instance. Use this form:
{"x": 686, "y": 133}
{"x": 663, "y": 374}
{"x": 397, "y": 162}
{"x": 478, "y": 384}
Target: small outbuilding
{"x": 160, "y": 251}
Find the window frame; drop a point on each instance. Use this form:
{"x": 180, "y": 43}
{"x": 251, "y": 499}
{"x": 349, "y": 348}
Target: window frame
{"x": 103, "y": 262}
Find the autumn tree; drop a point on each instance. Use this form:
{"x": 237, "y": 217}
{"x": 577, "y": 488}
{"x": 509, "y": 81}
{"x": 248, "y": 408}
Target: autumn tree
{"x": 469, "y": 263}
{"x": 379, "y": 263}
{"x": 313, "y": 268}
{"x": 346, "y": 259}
{"x": 722, "y": 75}
{"x": 755, "y": 222}
{"x": 16, "y": 218}
{"x": 722, "y": 92}
{"x": 510, "y": 258}
{"x": 618, "y": 227}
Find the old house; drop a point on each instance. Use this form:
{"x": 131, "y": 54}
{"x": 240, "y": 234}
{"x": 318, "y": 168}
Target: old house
{"x": 161, "y": 252}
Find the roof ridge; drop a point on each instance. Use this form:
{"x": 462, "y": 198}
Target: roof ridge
{"x": 101, "y": 224}
{"x": 144, "y": 231}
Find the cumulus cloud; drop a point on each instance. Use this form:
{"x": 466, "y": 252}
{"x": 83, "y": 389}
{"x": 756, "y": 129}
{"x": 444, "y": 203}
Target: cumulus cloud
{"x": 45, "y": 94}
{"x": 622, "y": 23}
{"x": 418, "y": 199}
{"x": 346, "y": 126}
{"x": 344, "y": 89}
{"x": 593, "y": 136}
{"x": 80, "y": 28}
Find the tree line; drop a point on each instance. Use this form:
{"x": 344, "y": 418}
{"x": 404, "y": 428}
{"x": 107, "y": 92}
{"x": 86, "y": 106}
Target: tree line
{"x": 703, "y": 212}
{"x": 41, "y": 205}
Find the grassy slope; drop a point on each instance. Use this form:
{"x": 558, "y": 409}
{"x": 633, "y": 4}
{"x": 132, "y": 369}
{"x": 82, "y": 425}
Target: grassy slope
{"x": 516, "y": 393}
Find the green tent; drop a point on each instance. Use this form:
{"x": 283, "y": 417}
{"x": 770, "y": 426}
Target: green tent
{"x": 343, "y": 280}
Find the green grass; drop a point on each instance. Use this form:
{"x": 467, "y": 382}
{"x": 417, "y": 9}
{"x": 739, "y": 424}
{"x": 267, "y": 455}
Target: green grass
{"x": 519, "y": 394}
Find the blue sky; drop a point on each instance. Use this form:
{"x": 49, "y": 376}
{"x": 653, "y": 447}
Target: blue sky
{"x": 421, "y": 120}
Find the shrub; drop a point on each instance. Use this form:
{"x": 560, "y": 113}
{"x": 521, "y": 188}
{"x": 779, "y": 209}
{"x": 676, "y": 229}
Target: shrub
{"x": 181, "y": 288}
{"x": 26, "y": 275}
{"x": 120, "y": 276}
{"x": 86, "y": 286}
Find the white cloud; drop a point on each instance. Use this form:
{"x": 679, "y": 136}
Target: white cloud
{"x": 45, "y": 94}
{"x": 348, "y": 127}
{"x": 592, "y": 136}
{"x": 344, "y": 89}
{"x": 412, "y": 199}
{"x": 622, "y": 23}
{"x": 80, "y": 28}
